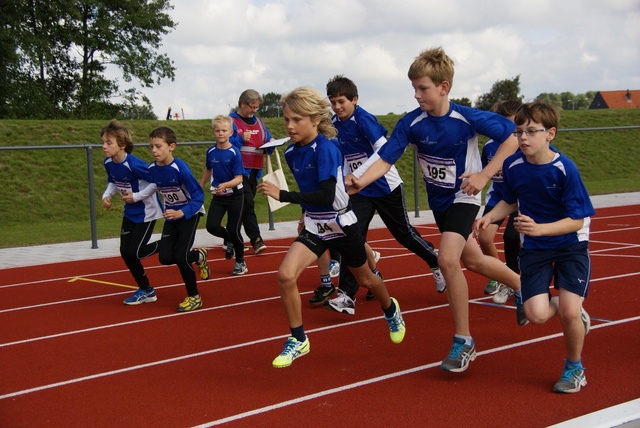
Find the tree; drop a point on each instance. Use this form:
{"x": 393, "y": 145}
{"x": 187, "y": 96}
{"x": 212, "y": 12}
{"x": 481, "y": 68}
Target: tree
{"x": 461, "y": 101}
{"x": 270, "y": 106}
{"x": 502, "y": 90}
{"x": 64, "y": 48}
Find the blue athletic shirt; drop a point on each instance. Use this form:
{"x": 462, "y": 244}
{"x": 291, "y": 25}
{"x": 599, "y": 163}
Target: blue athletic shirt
{"x": 312, "y": 163}
{"x": 224, "y": 164}
{"x": 179, "y": 188}
{"x": 447, "y": 147}
{"x": 360, "y": 136}
{"x": 132, "y": 175}
{"x": 547, "y": 193}
{"x": 494, "y": 194}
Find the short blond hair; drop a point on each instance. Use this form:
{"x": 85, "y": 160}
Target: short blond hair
{"x": 221, "y": 118}
{"x": 434, "y": 64}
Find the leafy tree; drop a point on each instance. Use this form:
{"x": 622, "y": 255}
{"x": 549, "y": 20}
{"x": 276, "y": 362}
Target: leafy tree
{"x": 502, "y": 90}
{"x": 464, "y": 101}
{"x": 270, "y": 106}
{"x": 64, "y": 47}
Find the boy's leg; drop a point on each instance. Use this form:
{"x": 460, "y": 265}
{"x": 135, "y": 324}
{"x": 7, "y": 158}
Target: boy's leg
{"x": 569, "y": 311}
{"x": 451, "y": 248}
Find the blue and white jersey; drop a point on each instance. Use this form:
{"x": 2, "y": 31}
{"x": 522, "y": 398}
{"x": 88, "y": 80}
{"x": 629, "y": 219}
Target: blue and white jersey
{"x": 224, "y": 164}
{"x": 132, "y": 175}
{"x": 360, "y": 137}
{"x": 447, "y": 147}
{"x": 494, "y": 193}
{"x": 179, "y": 188}
{"x": 547, "y": 193}
{"x": 312, "y": 163}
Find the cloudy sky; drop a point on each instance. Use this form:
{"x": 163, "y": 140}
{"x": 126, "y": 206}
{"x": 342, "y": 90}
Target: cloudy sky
{"x": 222, "y": 47}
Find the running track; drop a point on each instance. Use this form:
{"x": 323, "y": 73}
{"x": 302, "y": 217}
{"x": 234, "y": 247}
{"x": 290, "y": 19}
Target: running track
{"x": 72, "y": 355}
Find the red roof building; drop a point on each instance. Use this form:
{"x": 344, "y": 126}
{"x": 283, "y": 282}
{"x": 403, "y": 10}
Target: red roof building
{"x": 616, "y": 99}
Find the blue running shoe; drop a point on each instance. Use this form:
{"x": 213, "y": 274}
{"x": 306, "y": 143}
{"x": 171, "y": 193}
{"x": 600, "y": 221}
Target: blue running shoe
{"x": 571, "y": 381}
{"x": 459, "y": 357}
{"x": 141, "y": 296}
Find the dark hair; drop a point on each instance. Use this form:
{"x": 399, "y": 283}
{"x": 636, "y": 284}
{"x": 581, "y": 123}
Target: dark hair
{"x": 506, "y": 108}
{"x": 539, "y": 112}
{"x": 165, "y": 133}
{"x": 342, "y": 86}
{"x": 120, "y": 133}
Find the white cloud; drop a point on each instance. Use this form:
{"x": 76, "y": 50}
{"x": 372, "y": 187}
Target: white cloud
{"x": 221, "y": 48}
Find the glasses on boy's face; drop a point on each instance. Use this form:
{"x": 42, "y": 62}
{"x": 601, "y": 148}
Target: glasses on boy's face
{"x": 528, "y": 132}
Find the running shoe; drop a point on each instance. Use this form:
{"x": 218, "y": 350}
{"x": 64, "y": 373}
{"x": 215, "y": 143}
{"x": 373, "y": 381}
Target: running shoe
{"x": 586, "y": 320}
{"x": 190, "y": 303}
{"x": 571, "y": 381}
{"x": 376, "y": 256}
{"x": 229, "y": 252}
{"x": 239, "y": 268}
{"x": 459, "y": 357}
{"x": 292, "y": 349}
{"x": 141, "y": 296}
{"x": 397, "y": 328}
{"x": 492, "y": 287}
{"x": 334, "y": 268}
{"x": 202, "y": 264}
{"x": 342, "y": 303}
{"x": 321, "y": 294}
{"x": 502, "y": 296}
{"x": 520, "y": 316}
{"x": 441, "y": 284}
{"x": 259, "y": 246}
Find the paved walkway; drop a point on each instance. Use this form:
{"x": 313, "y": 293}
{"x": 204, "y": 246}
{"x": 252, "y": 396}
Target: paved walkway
{"x": 73, "y": 251}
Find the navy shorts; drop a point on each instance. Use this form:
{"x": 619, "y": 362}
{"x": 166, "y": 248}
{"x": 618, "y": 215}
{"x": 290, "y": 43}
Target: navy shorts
{"x": 350, "y": 247}
{"x": 568, "y": 267}
{"x": 458, "y": 218}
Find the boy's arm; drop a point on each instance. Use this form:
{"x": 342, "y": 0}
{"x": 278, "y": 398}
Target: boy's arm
{"x": 475, "y": 182}
{"x": 206, "y": 177}
{"x": 528, "y": 226}
{"x": 375, "y": 171}
{"x": 500, "y": 211}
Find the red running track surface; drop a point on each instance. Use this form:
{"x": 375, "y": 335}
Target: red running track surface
{"x": 73, "y": 355}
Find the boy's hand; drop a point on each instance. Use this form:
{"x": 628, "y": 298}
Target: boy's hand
{"x": 473, "y": 184}
{"x": 528, "y": 226}
{"x": 267, "y": 188}
{"x": 128, "y": 197}
{"x": 352, "y": 185}
{"x": 173, "y": 214}
{"x": 106, "y": 203}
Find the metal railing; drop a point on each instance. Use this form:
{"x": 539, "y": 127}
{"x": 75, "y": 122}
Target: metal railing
{"x": 91, "y": 182}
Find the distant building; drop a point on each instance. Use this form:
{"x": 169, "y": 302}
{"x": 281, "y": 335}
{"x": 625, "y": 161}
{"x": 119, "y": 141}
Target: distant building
{"x": 616, "y": 99}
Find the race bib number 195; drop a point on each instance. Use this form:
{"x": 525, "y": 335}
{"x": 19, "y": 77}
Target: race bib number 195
{"x": 438, "y": 171}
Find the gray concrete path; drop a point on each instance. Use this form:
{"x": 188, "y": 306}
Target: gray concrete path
{"x": 74, "y": 251}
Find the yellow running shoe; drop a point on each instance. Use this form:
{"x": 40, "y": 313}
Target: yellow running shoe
{"x": 191, "y": 303}
{"x": 292, "y": 350}
{"x": 397, "y": 329}
{"x": 202, "y": 265}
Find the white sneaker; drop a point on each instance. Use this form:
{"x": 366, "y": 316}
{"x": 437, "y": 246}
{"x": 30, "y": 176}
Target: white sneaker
{"x": 376, "y": 256}
{"x": 503, "y": 294}
{"x": 441, "y": 284}
{"x": 334, "y": 268}
{"x": 342, "y": 303}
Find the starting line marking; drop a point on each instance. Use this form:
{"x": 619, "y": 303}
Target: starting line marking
{"x": 101, "y": 282}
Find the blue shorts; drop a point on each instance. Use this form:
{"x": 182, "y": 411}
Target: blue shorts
{"x": 350, "y": 247}
{"x": 568, "y": 267}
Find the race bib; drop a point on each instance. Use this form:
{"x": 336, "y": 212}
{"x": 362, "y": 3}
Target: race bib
{"x": 354, "y": 161}
{"x": 123, "y": 187}
{"x": 173, "y": 196}
{"x": 440, "y": 172}
{"x": 325, "y": 225}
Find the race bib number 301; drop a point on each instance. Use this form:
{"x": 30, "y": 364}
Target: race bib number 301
{"x": 438, "y": 171}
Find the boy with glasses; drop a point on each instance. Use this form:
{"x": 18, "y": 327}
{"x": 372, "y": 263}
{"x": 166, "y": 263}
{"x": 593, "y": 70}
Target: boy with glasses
{"x": 554, "y": 213}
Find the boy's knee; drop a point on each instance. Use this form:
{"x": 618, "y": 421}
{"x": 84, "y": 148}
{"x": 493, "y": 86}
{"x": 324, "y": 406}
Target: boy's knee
{"x": 165, "y": 259}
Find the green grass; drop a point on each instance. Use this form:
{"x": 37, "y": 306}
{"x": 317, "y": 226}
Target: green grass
{"x": 46, "y": 196}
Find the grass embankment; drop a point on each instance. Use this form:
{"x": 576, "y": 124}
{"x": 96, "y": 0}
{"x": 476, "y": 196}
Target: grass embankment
{"x": 46, "y": 191}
